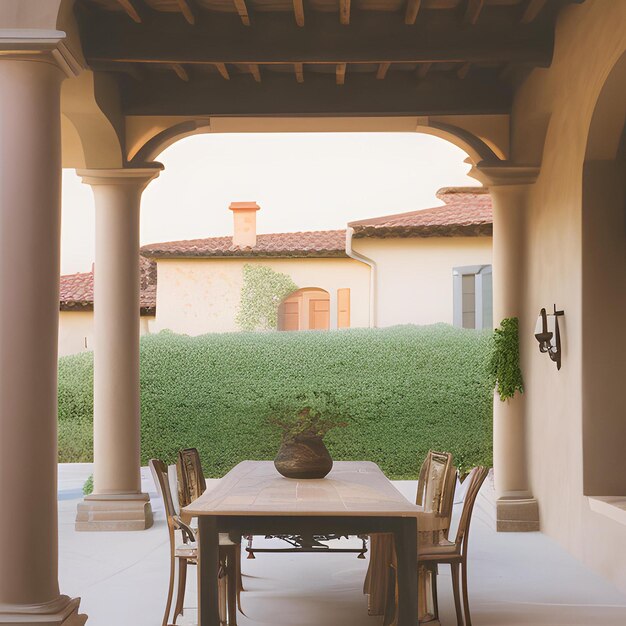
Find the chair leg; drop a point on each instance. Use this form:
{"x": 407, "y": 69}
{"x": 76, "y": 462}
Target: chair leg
{"x": 433, "y": 584}
{"x": 454, "y": 570}
{"x": 170, "y": 591}
{"x": 222, "y": 596}
{"x": 180, "y": 594}
{"x": 232, "y": 585}
{"x": 240, "y": 587}
{"x": 468, "y": 619}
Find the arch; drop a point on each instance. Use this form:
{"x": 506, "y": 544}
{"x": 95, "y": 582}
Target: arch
{"x": 604, "y": 291}
{"x": 305, "y": 309}
{"x": 146, "y": 141}
{"x": 476, "y": 148}
{"x": 164, "y": 139}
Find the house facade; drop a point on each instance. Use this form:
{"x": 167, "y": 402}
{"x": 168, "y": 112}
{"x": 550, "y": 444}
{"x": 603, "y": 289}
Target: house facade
{"x": 421, "y": 267}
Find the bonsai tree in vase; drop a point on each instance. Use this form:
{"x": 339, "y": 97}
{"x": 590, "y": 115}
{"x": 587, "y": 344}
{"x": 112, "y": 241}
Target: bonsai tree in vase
{"x": 304, "y": 421}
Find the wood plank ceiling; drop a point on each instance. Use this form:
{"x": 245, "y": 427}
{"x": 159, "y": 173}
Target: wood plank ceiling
{"x": 317, "y": 57}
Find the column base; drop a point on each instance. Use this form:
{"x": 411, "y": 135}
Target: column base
{"x": 61, "y": 612}
{"x": 517, "y": 515}
{"x": 114, "y": 512}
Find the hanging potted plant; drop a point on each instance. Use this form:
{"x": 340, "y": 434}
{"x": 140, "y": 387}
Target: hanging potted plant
{"x": 304, "y": 422}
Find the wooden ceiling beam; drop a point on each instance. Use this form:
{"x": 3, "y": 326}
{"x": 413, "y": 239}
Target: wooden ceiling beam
{"x": 532, "y": 10}
{"x": 223, "y": 70}
{"x": 463, "y": 71}
{"x": 277, "y": 39}
{"x": 340, "y": 73}
{"x": 242, "y": 11}
{"x": 423, "y": 69}
{"x": 180, "y": 71}
{"x": 136, "y": 70}
{"x": 383, "y": 68}
{"x": 255, "y": 71}
{"x": 131, "y": 9}
{"x": 162, "y": 93}
{"x": 344, "y": 12}
{"x": 299, "y": 69}
{"x": 298, "y": 11}
{"x": 412, "y": 9}
{"x": 188, "y": 9}
{"x": 473, "y": 11}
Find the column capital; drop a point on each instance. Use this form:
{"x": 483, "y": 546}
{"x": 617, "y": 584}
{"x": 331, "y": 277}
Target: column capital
{"x": 35, "y": 44}
{"x": 120, "y": 175}
{"x": 504, "y": 174}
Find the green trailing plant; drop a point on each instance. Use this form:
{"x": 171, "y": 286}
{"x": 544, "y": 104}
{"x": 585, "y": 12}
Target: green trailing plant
{"x": 311, "y": 414}
{"x": 407, "y": 389}
{"x": 505, "y": 360}
{"x": 88, "y": 486}
{"x": 261, "y": 294}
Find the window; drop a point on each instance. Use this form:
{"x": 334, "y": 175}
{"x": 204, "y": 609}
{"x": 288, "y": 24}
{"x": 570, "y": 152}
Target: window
{"x": 473, "y": 296}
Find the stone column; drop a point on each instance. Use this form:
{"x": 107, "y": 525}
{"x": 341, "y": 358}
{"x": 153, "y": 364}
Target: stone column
{"x": 509, "y": 186}
{"x": 30, "y": 206}
{"x": 117, "y": 502}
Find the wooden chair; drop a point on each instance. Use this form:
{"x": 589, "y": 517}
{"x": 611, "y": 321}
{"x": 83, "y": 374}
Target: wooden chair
{"x": 454, "y": 553}
{"x": 187, "y": 554}
{"x": 190, "y": 477}
{"x": 435, "y": 495}
{"x": 191, "y": 485}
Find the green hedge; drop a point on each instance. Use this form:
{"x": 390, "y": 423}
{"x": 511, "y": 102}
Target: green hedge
{"x": 407, "y": 388}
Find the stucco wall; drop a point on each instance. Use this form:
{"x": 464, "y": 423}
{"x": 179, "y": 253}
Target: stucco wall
{"x": 590, "y": 38}
{"x": 76, "y": 331}
{"x": 414, "y": 275}
{"x": 197, "y": 296}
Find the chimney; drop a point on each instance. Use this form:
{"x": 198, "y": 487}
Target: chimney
{"x": 244, "y": 214}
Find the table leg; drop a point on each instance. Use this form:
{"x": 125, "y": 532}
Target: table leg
{"x": 406, "y": 556}
{"x": 208, "y": 566}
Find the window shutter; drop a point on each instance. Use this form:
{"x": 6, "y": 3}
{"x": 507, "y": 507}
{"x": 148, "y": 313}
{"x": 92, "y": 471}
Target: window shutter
{"x": 343, "y": 308}
{"x": 472, "y": 296}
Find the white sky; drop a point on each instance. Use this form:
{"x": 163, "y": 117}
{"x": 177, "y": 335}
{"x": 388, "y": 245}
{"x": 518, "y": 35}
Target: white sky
{"x": 313, "y": 181}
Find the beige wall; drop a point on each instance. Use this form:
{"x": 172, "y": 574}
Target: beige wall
{"x": 197, "y": 296}
{"x": 76, "y": 331}
{"x": 414, "y": 275}
{"x": 589, "y": 40}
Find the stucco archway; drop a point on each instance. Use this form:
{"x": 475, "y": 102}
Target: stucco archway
{"x": 603, "y": 290}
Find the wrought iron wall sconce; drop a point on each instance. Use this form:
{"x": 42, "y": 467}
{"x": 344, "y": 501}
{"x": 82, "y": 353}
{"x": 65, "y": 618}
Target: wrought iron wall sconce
{"x": 548, "y": 335}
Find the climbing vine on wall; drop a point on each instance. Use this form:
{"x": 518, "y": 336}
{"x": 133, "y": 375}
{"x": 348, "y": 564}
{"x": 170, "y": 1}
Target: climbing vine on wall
{"x": 505, "y": 360}
{"x": 262, "y": 292}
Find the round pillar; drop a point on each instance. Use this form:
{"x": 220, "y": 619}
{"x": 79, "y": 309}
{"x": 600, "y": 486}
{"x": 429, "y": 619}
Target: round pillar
{"x": 30, "y": 204}
{"x": 509, "y": 186}
{"x": 509, "y": 447}
{"x": 117, "y": 502}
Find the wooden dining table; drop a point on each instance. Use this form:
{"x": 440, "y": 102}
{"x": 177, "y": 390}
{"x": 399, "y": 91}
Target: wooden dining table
{"x": 356, "y": 498}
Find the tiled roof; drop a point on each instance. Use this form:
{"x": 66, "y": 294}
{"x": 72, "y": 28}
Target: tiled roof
{"x": 467, "y": 212}
{"x": 320, "y": 243}
{"x": 77, "y": 289}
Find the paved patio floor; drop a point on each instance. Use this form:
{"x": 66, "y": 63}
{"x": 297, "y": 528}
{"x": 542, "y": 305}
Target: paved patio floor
{"x": 515, "y": 579}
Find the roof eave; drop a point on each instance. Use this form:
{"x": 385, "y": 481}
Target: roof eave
{"x": 391, "y": 232}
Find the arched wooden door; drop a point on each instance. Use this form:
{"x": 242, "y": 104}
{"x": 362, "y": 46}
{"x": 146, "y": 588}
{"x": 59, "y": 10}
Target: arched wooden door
{"x": 305, "y": 309}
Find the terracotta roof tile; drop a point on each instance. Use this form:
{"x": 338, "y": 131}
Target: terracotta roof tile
{"x": 320, "y": 243}
{"x": 77, "y": 289}
{"x": 466, "y": 212}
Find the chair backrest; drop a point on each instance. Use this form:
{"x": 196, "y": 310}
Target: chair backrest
{"x": 159, "y": 473}
{"x": 476, "y": 479}
{"x": 437, "y": 478}
{"x": 191, "y": 481}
